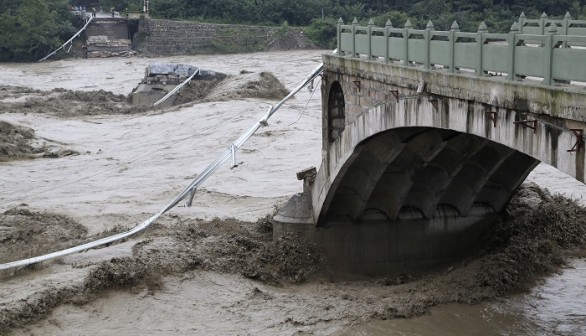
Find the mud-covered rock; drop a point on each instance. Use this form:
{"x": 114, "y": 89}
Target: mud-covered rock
{"x": 25, "y": 233}
{"x": 16, "y": 141}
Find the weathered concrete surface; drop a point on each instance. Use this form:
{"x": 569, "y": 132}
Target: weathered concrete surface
{"x": 405, "y": 149}
{"x": 407, "y": 246}
{"x": 561, "y": 102}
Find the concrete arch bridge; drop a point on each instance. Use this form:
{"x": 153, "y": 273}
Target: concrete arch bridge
{"x": 427, "y": 135}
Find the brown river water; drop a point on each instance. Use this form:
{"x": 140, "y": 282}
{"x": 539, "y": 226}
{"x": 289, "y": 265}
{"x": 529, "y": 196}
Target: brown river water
{"x": 223, "y": 304}
{"x": 556, "y": 307}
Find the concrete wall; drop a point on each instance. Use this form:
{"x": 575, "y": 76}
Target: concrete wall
{"x": 166, "y": 37}
{"x": 113, "y": 28}
{"x": 404, "y": 247}
{"x": 106, "y": 37}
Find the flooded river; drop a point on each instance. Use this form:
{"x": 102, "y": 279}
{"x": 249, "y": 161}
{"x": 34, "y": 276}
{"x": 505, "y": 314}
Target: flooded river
{"x": 206, "y": 301}
{"x": 557, "y": 307}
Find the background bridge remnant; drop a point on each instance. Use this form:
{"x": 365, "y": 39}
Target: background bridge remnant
{"x": 422, "y": 149}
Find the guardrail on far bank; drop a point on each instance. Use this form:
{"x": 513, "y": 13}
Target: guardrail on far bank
{"x": 554, "y": 56}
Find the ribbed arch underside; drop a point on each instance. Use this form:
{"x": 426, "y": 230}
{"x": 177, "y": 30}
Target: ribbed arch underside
{"x": 424, "y": 173}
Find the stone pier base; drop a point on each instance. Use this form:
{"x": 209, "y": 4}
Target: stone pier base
{"x": 377, "y": 246}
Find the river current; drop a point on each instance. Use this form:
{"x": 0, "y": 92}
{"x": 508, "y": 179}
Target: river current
{"x": 556, "y": 307}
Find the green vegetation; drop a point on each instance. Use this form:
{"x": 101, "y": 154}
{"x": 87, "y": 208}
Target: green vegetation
{"x": 31, "y": 28}
{"x": 498, "y": 14}
{"x": 319, "y": 17}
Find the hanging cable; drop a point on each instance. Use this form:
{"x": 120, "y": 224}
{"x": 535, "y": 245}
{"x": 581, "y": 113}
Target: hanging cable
{"x": 68, "y": 41}
{"x": 305, "y": 107}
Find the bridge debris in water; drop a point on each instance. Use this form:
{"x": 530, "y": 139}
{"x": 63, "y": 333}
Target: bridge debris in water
{"x": 206, "y": 85}
{"x": 162, "y": 78}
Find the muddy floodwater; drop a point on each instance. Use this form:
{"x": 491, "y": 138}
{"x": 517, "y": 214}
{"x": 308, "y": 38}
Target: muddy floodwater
{"x": 77, "y": 162}
{"x": 556, "y": 307}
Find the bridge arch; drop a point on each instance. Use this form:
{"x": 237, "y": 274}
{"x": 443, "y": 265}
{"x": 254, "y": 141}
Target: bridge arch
{"x": 424, "y": 172}
{"x": 443, "y": 159}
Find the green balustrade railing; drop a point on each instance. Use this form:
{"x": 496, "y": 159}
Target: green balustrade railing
{"x": 566, "y": 26}
{"x": 558, "y": 55}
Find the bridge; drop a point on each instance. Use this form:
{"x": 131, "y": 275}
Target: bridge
{"x": 427, "y": 134}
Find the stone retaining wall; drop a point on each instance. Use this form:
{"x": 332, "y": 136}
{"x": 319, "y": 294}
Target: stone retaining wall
{"x": 166, "y": 37}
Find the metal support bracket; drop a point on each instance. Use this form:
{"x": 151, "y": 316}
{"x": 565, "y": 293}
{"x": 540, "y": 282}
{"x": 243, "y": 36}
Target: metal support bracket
{"x": 191, "y": 195}
{"x": 358, "y": 84}
{"x": 579, "y": 133}
{"x": 492, "y": 116}
{"x": 233, "y": 151}
{"x": 395, "y": 93}
{"x": 528, "y": 123}
{"x": 310, "y": 87}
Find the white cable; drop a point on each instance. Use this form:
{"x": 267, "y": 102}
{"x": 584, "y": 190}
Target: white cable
{"x": 68, "y": 41}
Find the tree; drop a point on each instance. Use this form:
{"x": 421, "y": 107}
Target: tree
{"x": 30, "y": 29}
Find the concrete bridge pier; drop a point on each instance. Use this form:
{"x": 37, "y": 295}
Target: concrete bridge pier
{"x": 376, "y": 246}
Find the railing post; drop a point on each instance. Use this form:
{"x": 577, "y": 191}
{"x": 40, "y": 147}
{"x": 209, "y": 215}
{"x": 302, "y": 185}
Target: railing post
{"x": 406, "y": 41}
{"x": 388, "y": 27}
{"x": 354, "y": 23}
{"x": 428, "y": 29}
{"x": 542, "y": 23}
{"x": 512, "y": 45}
{"x": 566, "y": 27}
{"x": 522, "y": 19}
{"x": 453, "y": 30}
{"x": 480, "y": 45}
{"x": 369, "y": 32}
{"x": 340, "y": 23}
{"x": 548, "y": 53}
